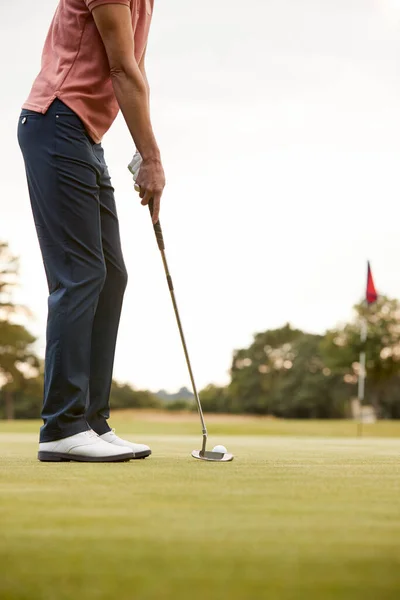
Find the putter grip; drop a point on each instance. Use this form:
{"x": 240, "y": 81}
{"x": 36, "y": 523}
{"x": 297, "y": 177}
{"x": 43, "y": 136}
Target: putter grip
{"x": 157, "y": 229}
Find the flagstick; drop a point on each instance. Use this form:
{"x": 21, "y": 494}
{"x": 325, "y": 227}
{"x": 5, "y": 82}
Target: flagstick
{"x": 363, "y": 374}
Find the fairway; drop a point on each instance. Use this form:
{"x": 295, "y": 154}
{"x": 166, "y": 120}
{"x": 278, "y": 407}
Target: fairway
{"x": 292, "y": 517}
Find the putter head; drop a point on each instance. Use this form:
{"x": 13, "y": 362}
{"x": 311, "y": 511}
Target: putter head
{"x": 212, "y": 456}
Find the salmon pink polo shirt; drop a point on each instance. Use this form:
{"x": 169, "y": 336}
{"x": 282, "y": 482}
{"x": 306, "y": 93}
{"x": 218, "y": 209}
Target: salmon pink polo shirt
{"x": 75, "y": 67}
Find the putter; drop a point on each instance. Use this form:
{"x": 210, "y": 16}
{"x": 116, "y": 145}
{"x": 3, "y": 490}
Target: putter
{"x": 202, "y": 454}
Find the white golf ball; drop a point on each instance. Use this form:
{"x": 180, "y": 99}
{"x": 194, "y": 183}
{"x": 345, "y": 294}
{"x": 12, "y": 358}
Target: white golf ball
{"x": 220, "y": 448}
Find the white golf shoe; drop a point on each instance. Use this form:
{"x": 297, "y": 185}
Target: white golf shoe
{"x": 83, "y": 447}
{"x": 139, "y": 450}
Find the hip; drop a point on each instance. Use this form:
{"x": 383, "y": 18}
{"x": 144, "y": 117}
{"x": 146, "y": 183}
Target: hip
{"x": 57, "y": 132}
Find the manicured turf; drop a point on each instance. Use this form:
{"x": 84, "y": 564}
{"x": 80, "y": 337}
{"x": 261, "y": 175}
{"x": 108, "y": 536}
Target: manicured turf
{"x": 293, "y": 517}
{"x": 177, "y": 423}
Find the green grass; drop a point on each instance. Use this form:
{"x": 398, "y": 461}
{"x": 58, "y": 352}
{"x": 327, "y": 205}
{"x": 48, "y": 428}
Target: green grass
{"x": 155, "y": 422}
{"x": 293, "y": 517}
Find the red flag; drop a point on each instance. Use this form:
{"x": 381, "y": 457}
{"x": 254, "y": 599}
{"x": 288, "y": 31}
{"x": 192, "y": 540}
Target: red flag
{"x": 371, "y": 294}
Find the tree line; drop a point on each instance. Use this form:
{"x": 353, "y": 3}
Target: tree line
{"x": 284, "y": 372}
{"x": 290, "y": 373}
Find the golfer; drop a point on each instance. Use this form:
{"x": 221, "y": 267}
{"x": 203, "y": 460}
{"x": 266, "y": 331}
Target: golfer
{"x": 92, "y": 66}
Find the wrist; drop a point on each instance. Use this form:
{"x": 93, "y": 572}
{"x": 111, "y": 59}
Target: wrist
{"x": 153, "y": 156}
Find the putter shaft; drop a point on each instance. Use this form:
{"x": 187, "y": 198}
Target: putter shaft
{"x": 161, "y": 246}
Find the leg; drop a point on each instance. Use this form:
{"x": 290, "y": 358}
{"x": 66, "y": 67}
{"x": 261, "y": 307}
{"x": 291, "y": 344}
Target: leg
{"x": 106, "y": 320}
{"x": 63, "y": 176}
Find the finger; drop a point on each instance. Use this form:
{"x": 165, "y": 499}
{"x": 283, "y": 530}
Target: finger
{"x": 146, "y": 198}
{"x": 156, "y": 208}
{"x": 142, "y": 192}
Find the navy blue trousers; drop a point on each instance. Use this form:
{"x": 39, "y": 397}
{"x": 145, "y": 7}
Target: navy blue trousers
{"x": 74, "y": 211}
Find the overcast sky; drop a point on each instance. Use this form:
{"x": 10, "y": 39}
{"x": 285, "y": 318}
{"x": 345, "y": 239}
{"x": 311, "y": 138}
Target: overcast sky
{"x": 278, "y": 122}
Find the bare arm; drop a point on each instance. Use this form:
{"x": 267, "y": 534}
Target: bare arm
{"x": 114, "y": 22}
{"x": 144, "y": 75}
{"x": 115, "y": 27}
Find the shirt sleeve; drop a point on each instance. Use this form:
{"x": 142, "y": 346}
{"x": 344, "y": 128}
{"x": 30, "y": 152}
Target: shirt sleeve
{"x": 91, "y": 4}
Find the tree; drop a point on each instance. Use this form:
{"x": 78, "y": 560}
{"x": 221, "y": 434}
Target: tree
{"x": 215, "y": 399}
{"x": 283, "y": 373}
{"x": 124, "y": 396}
{"x": 17, "y": 360}
{"x": 309, "y": 388}
{"x": 257, "y": 371}
{"x": 8, "y": 278}
{"x": 28, "y": 399}
{"x": 342, "y": 346}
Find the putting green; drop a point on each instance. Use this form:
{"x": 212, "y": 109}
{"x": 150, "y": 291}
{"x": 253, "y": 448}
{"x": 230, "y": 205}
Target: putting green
{"x": 291, "y": 518}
